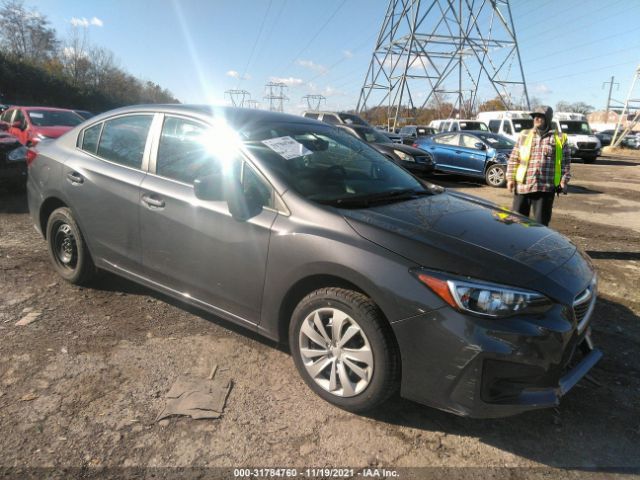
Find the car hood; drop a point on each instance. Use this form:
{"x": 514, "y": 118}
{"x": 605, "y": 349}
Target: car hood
{"x": 51, "y": 132}
{"x": 409, "y": 150}
{"x": 467, "y": 236}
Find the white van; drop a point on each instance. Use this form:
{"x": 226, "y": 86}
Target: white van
{"x": 508, "y": 123}
{"x": 584, "y": 144}
{"x": 456, "y": 125}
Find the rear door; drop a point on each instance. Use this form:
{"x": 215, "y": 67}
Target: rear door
{"x": 102, "y": 181}
{"x": 194, "y": 246}
{"x": 469, "y": 158}
{"x": 443, "y": 149}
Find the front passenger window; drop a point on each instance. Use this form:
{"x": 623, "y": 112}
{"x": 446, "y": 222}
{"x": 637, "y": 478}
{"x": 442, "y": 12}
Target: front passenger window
{"x": 182, "y": 153}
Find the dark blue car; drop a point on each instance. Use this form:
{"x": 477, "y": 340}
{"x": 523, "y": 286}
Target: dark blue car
{"x": 472, "y": 153}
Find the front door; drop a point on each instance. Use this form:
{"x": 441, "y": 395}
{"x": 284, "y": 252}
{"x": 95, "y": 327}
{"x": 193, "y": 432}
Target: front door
{"x": 194, "y": 246}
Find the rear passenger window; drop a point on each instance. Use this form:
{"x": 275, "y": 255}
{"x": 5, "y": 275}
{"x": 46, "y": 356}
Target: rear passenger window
{"x": 90, "y": 138}
{"x": 183, "y": 153}
{"x": 494, "y": 126}
{"x": 123, "y": 140}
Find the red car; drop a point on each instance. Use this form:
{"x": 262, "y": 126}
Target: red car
{"x": 32, "y": 124}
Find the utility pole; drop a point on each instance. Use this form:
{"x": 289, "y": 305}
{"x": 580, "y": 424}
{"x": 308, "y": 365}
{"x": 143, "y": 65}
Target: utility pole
{"x": 314, "y": 101}
{"x": 238, "y": 97}
{"x": 611, "y": 83}
{"x": 276, "y": 96}
{"x": 427, "y": 49}
{"x": 631, "y": 119}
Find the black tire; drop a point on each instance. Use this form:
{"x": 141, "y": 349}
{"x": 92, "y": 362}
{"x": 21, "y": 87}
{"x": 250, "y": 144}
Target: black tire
{"x": 495, "y": 175}
{"x": 67, "y": 249}
{"x": 376, "y": 336}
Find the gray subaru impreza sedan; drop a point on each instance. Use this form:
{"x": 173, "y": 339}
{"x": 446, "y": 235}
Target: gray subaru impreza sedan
{"x": 294, "y": 229}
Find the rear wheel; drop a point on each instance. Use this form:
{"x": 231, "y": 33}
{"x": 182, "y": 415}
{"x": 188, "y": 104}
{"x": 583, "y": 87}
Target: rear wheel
{"x": 344, "y": 349}
{"x": 495, "y": 176}
{"x": 67, "y": 248}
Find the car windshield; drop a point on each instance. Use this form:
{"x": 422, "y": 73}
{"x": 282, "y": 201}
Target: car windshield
{"x": 373, "y": 136}
{"x": 575, "y": 127}
{"x": 352, "y": 119}
{"x": 329, "y": 166}
{"x": 522, "y": 124}
{"x": 473, "y": 126}
{"x": 53, "y": 118}
{"x": 496, "y": 141}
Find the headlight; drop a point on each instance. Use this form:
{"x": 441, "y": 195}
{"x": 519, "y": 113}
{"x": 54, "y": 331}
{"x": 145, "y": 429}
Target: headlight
{"x": 481, "y": 298}
{"x": 18, "y": 155}
{"x": 404, "y": 156}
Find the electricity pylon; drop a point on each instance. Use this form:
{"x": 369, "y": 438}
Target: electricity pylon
{"x": 428, "y": 50}
{"x": 631, "y": 102}
{"x": 238, "y": 97}
{"x": 314, "y": 101}
{"x": 276, "y": 96}
{"x": 252, "y": 104}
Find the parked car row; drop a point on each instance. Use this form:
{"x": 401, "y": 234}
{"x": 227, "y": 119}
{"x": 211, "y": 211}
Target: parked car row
{"x": 26, "y": 127}
{"x": 474, "y": 153}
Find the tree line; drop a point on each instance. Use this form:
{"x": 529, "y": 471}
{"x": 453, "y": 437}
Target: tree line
{"x": 37, "y": 67}
{"x": 441, "y": 108}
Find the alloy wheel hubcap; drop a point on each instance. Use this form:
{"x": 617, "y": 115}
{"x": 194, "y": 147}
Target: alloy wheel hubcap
{"x": 496, "y": 175}
{"x": 336, "y": 352}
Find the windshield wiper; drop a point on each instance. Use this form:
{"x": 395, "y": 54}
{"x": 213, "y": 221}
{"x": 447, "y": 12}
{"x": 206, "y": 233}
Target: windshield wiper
{"x": 374, "y": 198}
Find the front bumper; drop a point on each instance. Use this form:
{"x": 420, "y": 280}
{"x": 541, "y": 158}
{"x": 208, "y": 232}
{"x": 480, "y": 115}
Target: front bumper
{"x": 488, "y": 368}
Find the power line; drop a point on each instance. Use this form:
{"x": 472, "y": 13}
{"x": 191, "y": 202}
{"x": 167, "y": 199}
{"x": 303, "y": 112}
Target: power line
{"x": 324, "y": 25}
{"x": 255, "y": 43}
{"x": 583, "y": 72}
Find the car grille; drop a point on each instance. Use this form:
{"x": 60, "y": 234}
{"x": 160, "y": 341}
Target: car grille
{"x": 583, "y": 306}
{"x": 587, "y": 145}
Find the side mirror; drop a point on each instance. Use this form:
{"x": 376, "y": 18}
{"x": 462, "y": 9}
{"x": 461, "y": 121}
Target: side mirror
{"x": 17, "y": 125}
{"x": 242, "y": 207}
{"x": 210, "y": 187}
{"x": 480, "y": 146}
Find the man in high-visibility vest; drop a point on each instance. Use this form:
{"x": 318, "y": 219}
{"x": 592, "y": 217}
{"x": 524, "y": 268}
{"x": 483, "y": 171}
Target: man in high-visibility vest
{"x": 539, "y": 167}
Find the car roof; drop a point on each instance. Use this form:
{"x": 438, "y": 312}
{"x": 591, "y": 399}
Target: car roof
{"x": 234, "y": 116}
{"x": 52, "y": 109}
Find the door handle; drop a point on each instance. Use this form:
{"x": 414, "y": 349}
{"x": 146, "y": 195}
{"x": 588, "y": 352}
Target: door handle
{"x": 75, "y": 178}
{"x": 153, "y": 202}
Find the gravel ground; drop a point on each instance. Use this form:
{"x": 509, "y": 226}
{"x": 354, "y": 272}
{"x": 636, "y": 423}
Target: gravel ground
{"x": 81, "y": 385}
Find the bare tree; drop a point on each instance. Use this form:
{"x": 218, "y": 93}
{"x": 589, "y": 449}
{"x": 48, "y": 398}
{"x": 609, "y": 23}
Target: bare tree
{"x": 75, "y": 57}
{"x": 26, "y": 34}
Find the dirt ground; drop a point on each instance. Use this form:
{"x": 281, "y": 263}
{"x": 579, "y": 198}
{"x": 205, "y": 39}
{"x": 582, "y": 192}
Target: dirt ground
{"x": 81, "y": 386}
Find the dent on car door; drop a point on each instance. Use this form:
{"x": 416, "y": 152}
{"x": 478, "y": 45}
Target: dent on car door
{"x": 102, "y": 179}
{"x": 195, "y": 247}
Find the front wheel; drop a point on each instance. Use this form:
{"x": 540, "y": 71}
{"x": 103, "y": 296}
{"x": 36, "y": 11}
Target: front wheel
{"x": 344, "y": 349}
{"x": 67, "y": 248}
{"x": 495, "y": 176}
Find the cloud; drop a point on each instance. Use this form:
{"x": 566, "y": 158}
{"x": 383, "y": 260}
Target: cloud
{"x": 234, "y": 74}
{"x": 312, "y": 66}
{"x": 542, "y": 89}
{"x": 70, "y": 52}
{"x": 86, "y": 23}
{"x": 289, "y": 82}
{"x": 347, "y": 53}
